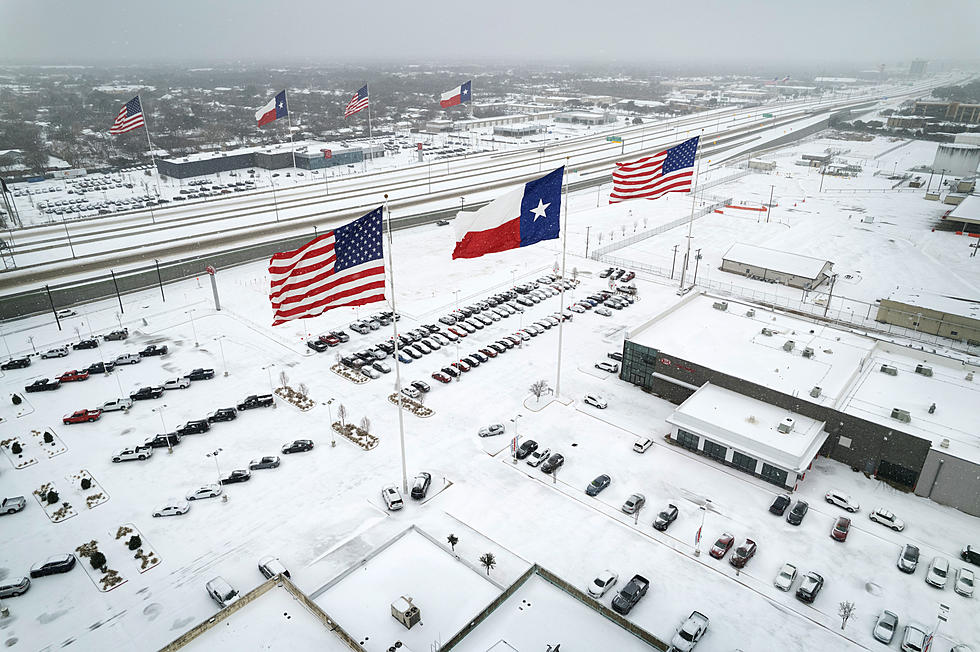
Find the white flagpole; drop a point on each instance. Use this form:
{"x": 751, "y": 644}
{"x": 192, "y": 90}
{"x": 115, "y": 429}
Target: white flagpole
{"x": 153, "y": 159}
{"x": 369, "y": 113}
{"x": 690, "y": 224}
{"x": 289, "y": 124}
{"x": 394, "y": 329}
{"x": 563, "y": 216}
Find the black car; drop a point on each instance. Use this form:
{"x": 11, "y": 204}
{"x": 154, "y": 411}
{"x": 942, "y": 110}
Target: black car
{"x": 298, "y": 446}
{"x": 236, "y": 476}
{"x": 450, "y": 371}
{"x": 421, "y": 386}
{"x": 420, "y": 487}
{"x": 117, "y": 335}
{"x": 43, "y": 385}
{"x": 317, "y": 345}
{"x": 526, "y": 449}
{"x": 100, "y": 367}
{"x": 201, "y": 374}
{"x": 553, "y": 463}
{"x": 665, "y": 518}
{"x": 16, "y": 363}
{"x": 341, "y": 335}
{"x": 144, "y": 393}
{"x": 85, "y": 344}
{"x": 780, "y": 504}
{"x": 267, "y": 462}
{"x": 809, "y": 587}
{"x": 795, "y": 516}
{"x": 167, "y": 440}
{"x": 194, "y": 427}
{"x": 152, "y": 350}
{"x": 597, "y": 485}
{"x": 223, "y": 414}
{"x": 53, "y": 565}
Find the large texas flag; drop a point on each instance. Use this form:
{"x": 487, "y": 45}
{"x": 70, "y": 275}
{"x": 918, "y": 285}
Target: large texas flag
{"x": 459, "y": 95}
{"x": 275, "y": 109}
{"x": 518, "y": 219}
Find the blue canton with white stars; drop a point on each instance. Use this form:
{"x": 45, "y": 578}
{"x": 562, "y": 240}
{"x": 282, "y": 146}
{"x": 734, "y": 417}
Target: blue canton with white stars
{"x": 359, "y": 242}
{"x": 133, "y": 107}
{"x": 681, "y": 156}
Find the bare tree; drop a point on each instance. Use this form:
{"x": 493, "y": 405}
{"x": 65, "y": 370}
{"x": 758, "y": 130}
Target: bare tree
{"x": 452, "y": 539}
{"x": 488, "y": 561}
{"x": 283, "y": 378}
{"x": 366, "y": 425}
{"x": 303, "y": 390}
{"x": 342, "y": 415}
{"x": 846, "y": 611}
{"x": 539, "y": 389}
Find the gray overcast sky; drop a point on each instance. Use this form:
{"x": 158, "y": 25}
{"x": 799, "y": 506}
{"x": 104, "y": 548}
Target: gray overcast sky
{"x": 722, "y": 31}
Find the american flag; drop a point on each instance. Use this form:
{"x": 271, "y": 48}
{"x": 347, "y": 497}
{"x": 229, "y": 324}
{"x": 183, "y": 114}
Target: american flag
{"x": 654, "y": 176}
{"x": 343, "y": 267}
{"x": 130, "y": 117}
{"x": 357, "y": 103}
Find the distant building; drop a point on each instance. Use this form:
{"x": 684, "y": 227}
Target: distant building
{"x": 518, "y": 131}
{"x": 907, "y": 121}
{"x": 776, "y": 266}
{"x": 951, "y": 111}
{"x": 957, "y": 159}
{"x": 918, "y": 67}
{"x": 584, "y": 118}
{"x": 819, "y": 159}
{"x": 957, "y": 318}
{"x": 309, "y": 156}
{"x": 438, "y": 126}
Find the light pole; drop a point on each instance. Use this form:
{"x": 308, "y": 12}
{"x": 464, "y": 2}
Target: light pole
{"x": 214, "y": 454}
{"x": 222, "y": 349}
{"x": 697, "y": 261}
{"x": 333, "y": 433}
{"x": 517, "y": 436}
{"x": 170, "y": 447}
{"x": 272, "y": 390}
{"x": 193, "y": 329}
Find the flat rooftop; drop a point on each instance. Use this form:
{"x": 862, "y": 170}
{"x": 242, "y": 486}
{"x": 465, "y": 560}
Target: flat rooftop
{"x": 732, "y": 342}
{"x": 298, "y": 146}
{"x": 749, "y": 426}
{"x": 960, "y": 306}
{"x": 967, "y": 211}
{"x": 956, "y": 398}
{"x": 786, "y": 262}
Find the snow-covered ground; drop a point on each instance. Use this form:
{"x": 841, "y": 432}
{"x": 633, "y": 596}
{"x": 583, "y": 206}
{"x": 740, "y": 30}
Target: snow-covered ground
{"x": 321, "y": 512}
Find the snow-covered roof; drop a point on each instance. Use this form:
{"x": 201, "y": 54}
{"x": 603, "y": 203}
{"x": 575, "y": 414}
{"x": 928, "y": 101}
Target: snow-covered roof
{"x": 961, "y": 306}
{"x": 298, "y": 147}
{"x": 967, "y": 210}
{"x": 780, "y": 261}
{"x": 750, "y": 427}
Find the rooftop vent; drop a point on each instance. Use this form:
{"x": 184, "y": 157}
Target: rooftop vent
{"x": 888, "y": 369}
{"x": 808, "y": 352}
{"x": 767, "y": 332}
{"x": 816, "y": 391}
{"x": 788, "y": 345}
{"x": 786, "y": 425}
{"x": 750, "y": 313}
{"x": 944, "y": 443}
{"x": 924, "y": 370}
{"x": 901, "y": 415}
{"x": 405, "y": 612}
{"x": 720, "y": 305}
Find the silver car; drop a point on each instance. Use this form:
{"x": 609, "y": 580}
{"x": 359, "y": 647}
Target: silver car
{"x": 14, "y": 586}
{"x": 11, "y": 505}
{"x": 938, "y": 572}
{"x": 634, "y": 503}
{"x": 914, "y": 638}
{"x": 785, "y": 577}
{"x": 207, "y": 491}
{"x": 117, "y": 404}
{"x": 271, "y": 566}
{"x": 178, "y": 383}
{"x": 964, "y": 582}
{"x": 222, "y": 592}
{"x": 885, "y": 627}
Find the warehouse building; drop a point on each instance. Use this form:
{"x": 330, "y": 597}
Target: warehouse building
{"x": 776, "y": 266}
{"x": 585, "y": 118}
{"x": 957, "y": 318}
{"x": 966, "y": 214}
{"x": 310, "y": 155}
{"x": 518, "y": 131}
{"x": 901, "y": 415}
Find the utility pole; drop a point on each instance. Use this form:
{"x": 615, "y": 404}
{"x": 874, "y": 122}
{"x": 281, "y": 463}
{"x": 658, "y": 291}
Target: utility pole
{"x": 833, "y": 279}
{"x": 769, "y": 212}
{"x": 160, "y": 279}
{"x": 587, "y": 240}
{"x": 673, "y": 263}
{"x": 821, "y": 177}
{"x": 697, "y": 261}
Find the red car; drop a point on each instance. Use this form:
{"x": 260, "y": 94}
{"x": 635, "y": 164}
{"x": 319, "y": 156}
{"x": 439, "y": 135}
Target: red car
{"x": 841, "y": 527}
{"x": 459, "y": 332}
{"x": 462, "y": 366}
{"x": 742, "y": 554}
{"x": 490, "y": 353}
{"x": 81, "y": 416}
{"x": 331, "y": 340}
{"x": 72, "y": 375}
{"x": 441, "y": 377}
{"x": 722, "y": 545}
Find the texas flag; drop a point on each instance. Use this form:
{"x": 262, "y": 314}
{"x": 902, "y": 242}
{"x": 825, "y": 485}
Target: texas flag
{"x": 458, "y": 95}
{"x": 275, "y": 109}
{"x": 520, "y": 218}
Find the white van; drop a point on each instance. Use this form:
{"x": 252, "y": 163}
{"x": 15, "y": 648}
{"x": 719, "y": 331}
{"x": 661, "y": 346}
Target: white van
{"x": 642, "y": 445}
{"x": 222, "y": 592}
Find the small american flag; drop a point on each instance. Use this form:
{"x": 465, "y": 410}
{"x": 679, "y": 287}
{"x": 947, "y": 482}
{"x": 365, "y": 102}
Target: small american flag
{"x": 654, "y": 176}
{"x": 343, "y": 267}
{"x": 130, "y": 117}
{"x": 357, "y": 103}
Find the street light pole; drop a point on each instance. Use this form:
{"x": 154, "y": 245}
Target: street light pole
{"x": 170, "y": 445}
{"x": 193, "y": 328}
{"x": 333, "y": 433}
{"x": 697, "y": 261}
{"x": 222, "y": 349}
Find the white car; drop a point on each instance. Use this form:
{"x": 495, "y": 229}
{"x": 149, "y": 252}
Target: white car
{"x": 410, "y": 392}
{"x": 605, "y": 312}
{"x": 887, "y": 518}
{"x": 538, "y": 456}
{"x": 596, "y": 401}
{"x": 914, "y": 638}
{"x": 641, "y": 445}
{"x": 222, "y": 592}
{"x": 492, "y": 430}
{"x": 602, "y": 583}
{"x": 207, "y": 491}
{"x": 173, "y": 508}
{"x": 127, "y": 358}
{"x": 964, "y": 582}
{"x": 839, "y": 498}
{"x": 611, "y": 367}
{"x": 57, "y": 352}
{"x": 117, "y": 404}
{"x": 785, "y": 577}
{"x": 885, "y": 627}
{"x": 938, "y": 572}
{"x": 178, "y": 383}
{"x": 576, "y": 308}
{"x": 392, "y": 498}
{"x": 132, "y": 453}
{"x": 66, "y": 312}
{"x": 271, "y": 566}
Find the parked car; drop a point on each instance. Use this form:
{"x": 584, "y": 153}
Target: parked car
{"x": 267, "y": 462}
{"x": 57, "y": 352}
{"x": 780, "y": 504}
{"x": 441, "y": 377}
{"x": 132, "y": 453}
{"x": 12, "y": 505}
{"x": 117, "y": 404}
{"x": 341, "y": 335}
{"x": 722, "y": 545}
{"x": 53, "y": 565}
{"x": 641, "y": 445}
{"x": 194, "y": 427}
{"x": 553, "y": 463}
{"x": 537, "y": 457}
{"x": 908, "y": 559}
{"x": 201, "y": 374}
{"x": 145, "y": 393}
{"x": 223, "y": 414}
{"x": 127, "y": 358}
{"x": 689, "y": 633}
{"x": 809, "y": 587}
{"x": 938, "y": 572}
{"x": 176, "y": 508}
{"x": 153, "y": 350}
{"x": 410, "y": 392}
{"x": 101, "y": 367}
{"x": 182, "y": 382}
{"x": 222, "y": 592}
{"x": 81, "y": 416}
{"x": 964, "y": 582}
{"x": 73, "y": 376}
{"x": 785, "y": 577}
{"x": 914, "y": 638}
{"x": 598, "y": 485}
{"x": 795, "y": 515}
{"x": 85, "y": 344}
{"x": 16, "y": 363}
{"x": 841, "y": 527}
{"x": 256, "y": 401}
{"x": 392, "y": 498}
{"x": 596, "y": 401}
{"x": 236, "y": 476}
{"x": 168, "y": 440}
{"x": 120, "y": 334}
{"x": 667, "y": 516}
{"x": 207, "y": 491}
{"x": 630, "y": 595}
{"x": 603, "y": 311}
{"x": 370, "y": 372}
{"x": 839, "y": 498}
{"x": 526, "y": 448}
{"x": 743, "y": 554}
{"x": 298, "y": 446}
{"x": 887, "y": 518}
{"x": 14, "y": 586}
{"x": 317, "y": 345}
{"x": 634, "y": 503}
{"x": 611, "y": 367}
{"x": 421, "y": 386}
{"x": 271, "y": 567}
{"x": 420, "y": 486}
{"x": 602, "y": 583}
{"x": 971, "y": 554}
{"x": 381, "y": 367}
{"x": 885, "y": 626}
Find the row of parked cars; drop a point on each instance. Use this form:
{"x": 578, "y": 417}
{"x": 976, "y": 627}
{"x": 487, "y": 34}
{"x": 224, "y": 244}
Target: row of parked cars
{"x": 602, "y": 301}
{"x": 64, "y": 350}
{"x": 548, "y": 460}
{"x": 420, "y": 488}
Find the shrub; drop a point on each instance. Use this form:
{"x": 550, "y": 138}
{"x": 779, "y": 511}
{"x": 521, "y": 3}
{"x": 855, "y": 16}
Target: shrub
{"x": 16, "y": 399}
{"x": 16, "y": 449}
{"x": 48, "y": 438}
{"x": 97, "y": 560}
{"x": 86, "y": 484}
{"x": 53, "y": 497}
{"x": 134, "y": 542}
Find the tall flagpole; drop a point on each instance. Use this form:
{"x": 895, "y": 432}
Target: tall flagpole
{"x": 369, "y": 113}
{"x": 561, "y": 309}
{"x": 394, "y": 329}
{"x": 289, "y": 124}
{"x": 690, "y": 224}
{"x": 153, "y": 159}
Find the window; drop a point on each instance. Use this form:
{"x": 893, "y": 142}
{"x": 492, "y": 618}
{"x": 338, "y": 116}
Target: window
{"x": 774, "y": 475}
{"x": 954, "y": 333}
{"x": 715, "y": 451}
{"x": 744, "y": 462}
{"x": 687, "y": 440}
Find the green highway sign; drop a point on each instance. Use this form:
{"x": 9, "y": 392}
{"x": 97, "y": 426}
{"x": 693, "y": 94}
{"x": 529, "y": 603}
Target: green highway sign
{"x": 614, "y": 139}
{"x": 766, "y": 115}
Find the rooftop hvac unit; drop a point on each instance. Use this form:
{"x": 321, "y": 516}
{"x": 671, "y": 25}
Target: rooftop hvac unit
{"x": 786, "y": 425}
{"x": 720, "y": 305}
{"x": 750, "y": 313}
{"x": 944, "y": 443}
{"x": 788, "y": 345}
{"x": 868, "y": 219}
{"x": 808, "y": 352}
{"x": 816, "y": 391}
{"x": 888, "y": 369}
{"x": 405, "y": 612}
{"x": 924, "y": 370}
{"x": 901, "y": 415}
{"x": 767, "y": 332}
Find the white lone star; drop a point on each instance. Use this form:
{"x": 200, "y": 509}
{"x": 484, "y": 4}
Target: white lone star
{"x": 540, "y": 210}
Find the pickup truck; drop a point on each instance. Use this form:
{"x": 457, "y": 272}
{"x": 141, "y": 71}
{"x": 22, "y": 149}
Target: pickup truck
{"x": 626, "y": 599}
{"x": 689, "y": 633}
{"x": 117, "y": 404}
{"x": 253, "y": 401}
